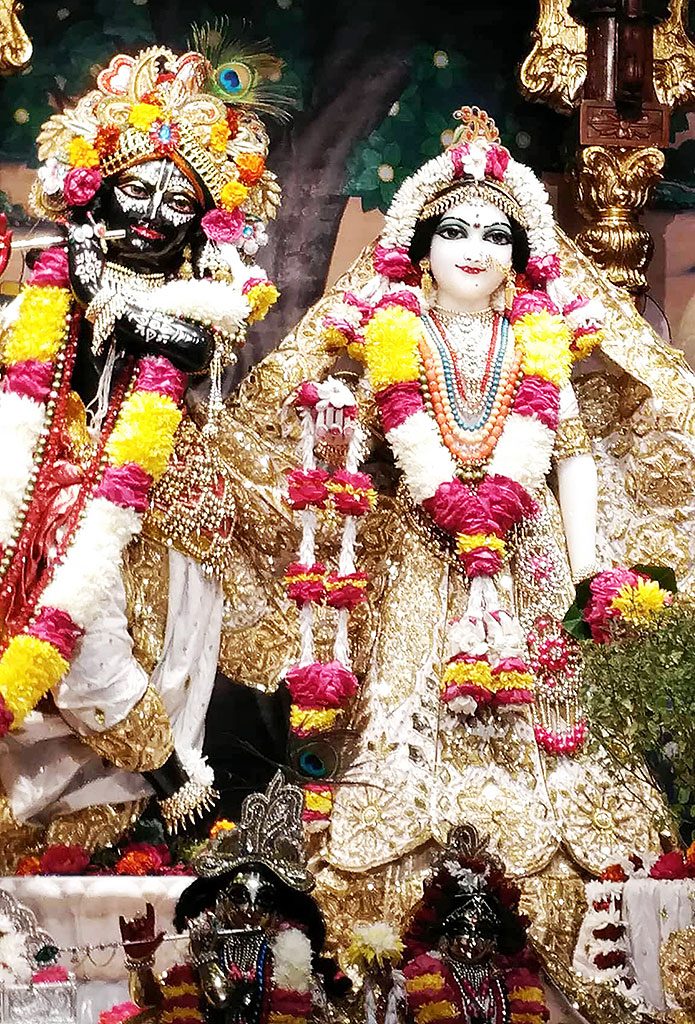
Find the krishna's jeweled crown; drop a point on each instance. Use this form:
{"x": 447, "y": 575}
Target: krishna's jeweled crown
{"x": 270, "y": 833}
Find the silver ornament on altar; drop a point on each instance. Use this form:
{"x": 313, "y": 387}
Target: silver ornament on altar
{"x": 46, "y": 1002}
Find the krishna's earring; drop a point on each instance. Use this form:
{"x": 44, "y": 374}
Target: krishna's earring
{"x": 186, "y": 270}
{"x": 427, "y": 281}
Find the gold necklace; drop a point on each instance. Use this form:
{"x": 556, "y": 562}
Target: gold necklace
{"x": 117, "y": 278}
{"x": 454, "y": 318}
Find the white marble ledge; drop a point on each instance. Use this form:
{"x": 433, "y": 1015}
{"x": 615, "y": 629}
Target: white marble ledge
{"x": 79, "y": 910}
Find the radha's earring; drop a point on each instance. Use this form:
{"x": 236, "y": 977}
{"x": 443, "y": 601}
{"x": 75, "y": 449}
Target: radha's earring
{"x": 427, "y": 281}
{"x": 509, "y": 290}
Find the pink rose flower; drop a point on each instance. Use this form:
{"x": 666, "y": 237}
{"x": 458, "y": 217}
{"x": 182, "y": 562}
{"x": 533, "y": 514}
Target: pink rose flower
{"x": 395, "y": 263}
{"x": 30, "y": 377}
{"x": 481, "y": 562}
{"x": 350, "y": 335}
{"x": 223, "y": 226}
{"x": 540, "y": 398}
{"x": 497, "y": 162}
{"x": 505, "y": 502}
{"x": 57, "y": 628}
{"x": 51, "y": 268}
{"x": 81, "y": 185}
{"x": 307, "y": 487}
{"x": 321, "y": 686}
{"x": 401, "y": 298}
{"x": 604, "y": 587}
{"x": 346, "y": 502}
{"x": 119, "y": 1014}
{"x": 304, "y": 591}
{"x": 155, "y": 373}
{"x": 543, "y": 268}
{"x": 366, "y": 310}
{"x": 531, "y": 302}
{"x": 345, "y": 592}
{"x": 306, "y": 396}
{"x": 127, "y": 485}
{"x": 456, "y": 509}
{"x": 398, "y": 402}
{"x": 49, "y": 974}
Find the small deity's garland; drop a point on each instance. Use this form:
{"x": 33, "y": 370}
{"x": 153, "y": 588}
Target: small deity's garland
{"x": 288, "y": 1000}
{"x": 434, "y": 996}
{"x": 136, "y": 444}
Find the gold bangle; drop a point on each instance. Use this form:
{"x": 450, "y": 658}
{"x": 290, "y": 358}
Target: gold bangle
{"x": 571, "y": 439}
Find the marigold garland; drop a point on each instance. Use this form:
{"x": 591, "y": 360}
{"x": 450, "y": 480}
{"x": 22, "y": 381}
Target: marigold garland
{"x": 40, "y": 329}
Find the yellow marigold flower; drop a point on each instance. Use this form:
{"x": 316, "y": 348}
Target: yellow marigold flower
{"x": 221, "y": 825}
{"x": 638, "y": 605}
{"x": 82, "y": 153}
{"x": 29, "y": 668}
{"x": 143, "y": 115}
{"x": 219, "y": 136}
{"x": 313, "y": 720}
{"x": 511, "y": 681}
{"x": 544, "y": 339}
{"x": 584, "y": 344}
{"x": 250, "y": 166}
{"x": 144, "y": 432}
{"x": 316, "y": 801}
{"x": 441, "y": 1010}
{"x": 261, "y": 297}
{"x": 40, "y": 328}
{"x": 391, "y": 346}
{"x": 471, "y": 541}
{"x": 233, "y": 194}
{"x": 477, "y": 672}
{"x": 424, "y": 982}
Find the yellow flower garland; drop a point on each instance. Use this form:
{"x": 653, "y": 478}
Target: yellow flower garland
{"x": 544, "y": 339}
{"x": 391, "y": 346}
{"x": 29, "y": 668}
{"x": 471, "y": 541}
{"x": 144, "y": 432}
{"x": 40, "y": 329}
{"x": 477, "y": 672}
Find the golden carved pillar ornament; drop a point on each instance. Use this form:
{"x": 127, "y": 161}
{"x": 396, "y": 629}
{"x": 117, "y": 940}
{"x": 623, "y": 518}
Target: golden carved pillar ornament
{"x": 15, "y": 45}
{"x": 625, "y": 64}
{"x": 612, "y": 186}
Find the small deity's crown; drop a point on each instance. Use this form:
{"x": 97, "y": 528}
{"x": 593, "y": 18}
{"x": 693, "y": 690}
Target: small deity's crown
{"x": 270, "y": 832}
{"x": 475, "y": 124}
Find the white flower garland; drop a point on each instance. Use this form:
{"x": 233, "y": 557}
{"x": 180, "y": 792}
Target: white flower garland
{"x": 292, "y": 957}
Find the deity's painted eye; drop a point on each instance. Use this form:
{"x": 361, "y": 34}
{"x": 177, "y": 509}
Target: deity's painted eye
{"x": 235, "y": 80}
{"x": 498, "y": 236}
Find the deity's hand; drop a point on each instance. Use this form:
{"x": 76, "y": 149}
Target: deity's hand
{"x": 140, "y": 941}
{"x": 202, "y": 934}
{"x": 86, "y": 258}
{"x": 189, "y": 346}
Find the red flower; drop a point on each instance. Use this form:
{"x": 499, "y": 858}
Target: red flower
{"x": 46, "y": 974}
{"x": 456, "y": 509}
{"x": 321, "y": 686}
{"x": 143, "y": 859}
{"x": 395, "y": 263}
{"x": 306, "y": 396}
{"x": 613, "y": 873}
{"x": 307, "y": 487}
{"x": 539, "y": 398}
{"x": 481, "y": 562}
{"x": 504, "y": 502}
{"x": 64, "y": 860}
{"x": 531, "y": 302}
{"x": 232, "y": 121}
{"x": 346, "y": 591}
{"x": 223, "y": 226}
{"x": 165, "y": 136}
{"x": 28, "y": 866}
{"x": 107, "y": 139}
{"x": 543, "y": 268}
{"x": 6, "y": 717}
{"x": 398, "y": 402}
{"x": 352, "y": 492}
{"x": 303, "y": 591}
{"x": 497, "y": 162}
{"x": 81, "y": 185}
{"x": 670, "y": 865}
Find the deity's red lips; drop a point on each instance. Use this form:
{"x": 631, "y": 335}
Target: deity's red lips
{"x": 468, "y": 269}
{"x": 145, "y": 232}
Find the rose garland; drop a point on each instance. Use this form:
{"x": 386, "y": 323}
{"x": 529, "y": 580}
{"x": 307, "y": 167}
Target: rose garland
{"x": 135, "y": 449}
{"x": 320, "y": 692}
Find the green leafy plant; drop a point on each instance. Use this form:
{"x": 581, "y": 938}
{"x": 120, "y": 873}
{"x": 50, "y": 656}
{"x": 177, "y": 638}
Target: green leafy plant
{"x": 639, "y": 694}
